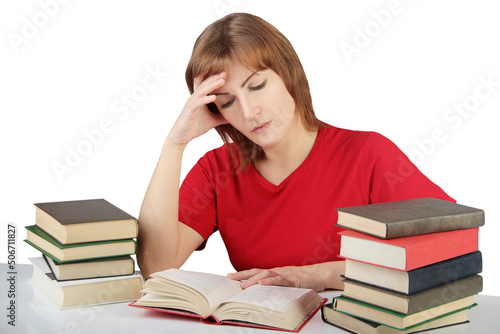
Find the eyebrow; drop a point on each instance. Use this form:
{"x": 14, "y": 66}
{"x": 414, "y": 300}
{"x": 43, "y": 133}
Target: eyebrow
{"x": 249, "y": 77}
{"x": 243, "y": 84}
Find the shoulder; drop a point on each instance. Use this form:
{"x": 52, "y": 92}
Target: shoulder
{"x": 350, "y": 146}
{"x": 212, "y": 169}
{"x": 216, "y": 160}
{"x": 339, "y": 137}
{"x": 218, "y": 155}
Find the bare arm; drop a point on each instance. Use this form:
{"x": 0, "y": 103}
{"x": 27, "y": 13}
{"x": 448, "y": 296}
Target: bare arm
{"x": 163, "y": 241}
{"x": 160, "y": 233}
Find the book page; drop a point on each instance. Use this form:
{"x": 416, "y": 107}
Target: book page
{"x": 215, "y": 288}
{"x": 275, "y": 298}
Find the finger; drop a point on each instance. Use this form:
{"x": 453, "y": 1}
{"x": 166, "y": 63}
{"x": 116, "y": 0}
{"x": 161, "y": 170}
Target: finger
{"x": 194, "y": 104}
{"x": 244, "y": 274}
{"x": 206, "y": 86}
{"x": 255, "y": 279}
{"x": 206, "y": 99}
{"x": 198, "y": 80}
{"x": 276, "y": 280}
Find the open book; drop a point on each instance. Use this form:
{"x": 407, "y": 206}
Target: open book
{"x": 217, "y": 299}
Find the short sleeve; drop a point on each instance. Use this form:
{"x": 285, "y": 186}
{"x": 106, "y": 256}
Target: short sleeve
{"x": 197, "y": 206}
{"x": 391, "y": 176}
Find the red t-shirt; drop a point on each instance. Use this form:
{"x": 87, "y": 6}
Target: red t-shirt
{"x": 267, "y": 226}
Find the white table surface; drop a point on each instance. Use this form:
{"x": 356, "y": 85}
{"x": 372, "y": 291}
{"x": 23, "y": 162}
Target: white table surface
{"x": 36, "y": 314}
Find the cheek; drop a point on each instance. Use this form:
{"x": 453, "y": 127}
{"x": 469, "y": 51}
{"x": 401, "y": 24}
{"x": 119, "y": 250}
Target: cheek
{"x": 283, "y": 104}
{"x": 234, "y": 118}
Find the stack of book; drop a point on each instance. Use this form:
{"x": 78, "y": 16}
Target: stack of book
{"x": 410, "y": 266}
{"x": 86, "y": 248}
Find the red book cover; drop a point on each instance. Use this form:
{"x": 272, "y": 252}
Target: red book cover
{"x": 214, "y": 321}
{"x": 420, "y": 250}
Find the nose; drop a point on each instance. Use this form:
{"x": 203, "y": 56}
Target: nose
{"x": 249, "y": 108}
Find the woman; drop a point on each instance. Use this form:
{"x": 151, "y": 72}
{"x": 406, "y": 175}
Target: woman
{"x": 272, "y": 189}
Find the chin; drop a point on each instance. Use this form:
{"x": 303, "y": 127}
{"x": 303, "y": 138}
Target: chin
{"x": 268, "y": 142}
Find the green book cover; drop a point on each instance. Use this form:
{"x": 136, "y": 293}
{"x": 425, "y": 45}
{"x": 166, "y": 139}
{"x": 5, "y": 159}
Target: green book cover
{"x": 399, "y": 315}
{"x": 39, "y": 232}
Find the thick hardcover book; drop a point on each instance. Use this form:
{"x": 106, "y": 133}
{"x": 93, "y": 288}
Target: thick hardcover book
{"x": 361, "y": 326}
{"x": 397, "y": 320}
{"x": 80, "y": 221}
{"x": 408, "y": 253}
{"x": 219, "y": 300}
{"x": 77, "y": 293}
{"x": 103, "y": 267}
{"x": 416, "y": 280}
{"x": 409, "y": 304}
{"x": 409, "y": 217}
{"x": 43, "y": 242}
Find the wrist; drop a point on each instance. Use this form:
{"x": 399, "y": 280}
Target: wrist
{"x": 326, "y": 275}
{"x": 173, "y": 146}
{"x": 313, "y": 276}
{"x": 332, "y": 278}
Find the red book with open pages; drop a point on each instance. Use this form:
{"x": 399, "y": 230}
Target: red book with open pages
{"x": 219, "y": 300}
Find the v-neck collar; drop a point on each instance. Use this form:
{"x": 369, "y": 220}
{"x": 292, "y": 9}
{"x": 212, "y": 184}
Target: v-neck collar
{"x": 260, "y": 178}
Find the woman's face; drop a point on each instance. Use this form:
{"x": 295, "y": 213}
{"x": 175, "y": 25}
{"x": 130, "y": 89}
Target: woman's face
{"x": 257, "y": 104}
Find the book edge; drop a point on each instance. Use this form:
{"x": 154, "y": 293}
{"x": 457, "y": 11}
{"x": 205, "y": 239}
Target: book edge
{"x": 40, "y": 205}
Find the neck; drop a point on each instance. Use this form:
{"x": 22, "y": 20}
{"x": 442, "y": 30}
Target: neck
{"x": 293, "y": 151}
{"x": 281, "y": 160}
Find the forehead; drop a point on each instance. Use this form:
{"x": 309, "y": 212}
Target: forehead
{"x": 237, "y": 74}
{"x": 233, "y": 62}
{"x": 237, "y": 70}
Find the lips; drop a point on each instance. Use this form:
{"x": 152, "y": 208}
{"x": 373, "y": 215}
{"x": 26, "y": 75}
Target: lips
{"x": 261, "y": 127}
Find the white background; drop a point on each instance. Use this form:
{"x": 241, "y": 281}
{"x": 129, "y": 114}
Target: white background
{"x": 67, "y": 68}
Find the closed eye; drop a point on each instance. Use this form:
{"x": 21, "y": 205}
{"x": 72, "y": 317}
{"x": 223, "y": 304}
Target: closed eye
{"x": 258, "y": 87}
{"x": 227, "y": 104}
{"x": 254, "y": 88}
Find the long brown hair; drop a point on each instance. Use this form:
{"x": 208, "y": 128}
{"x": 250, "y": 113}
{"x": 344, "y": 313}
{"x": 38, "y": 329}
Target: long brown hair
{"x": 257, "y": 45}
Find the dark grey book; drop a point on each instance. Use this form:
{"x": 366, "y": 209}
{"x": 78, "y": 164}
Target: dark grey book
{"x": 409, "y": 217}
{"x": 419, "y": 279}
{"x": 71, "y": 222}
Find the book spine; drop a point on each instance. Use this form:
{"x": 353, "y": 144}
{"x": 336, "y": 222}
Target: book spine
{"x": 444, "y": 272}
{"x": 434, "y": 224}
{"x": 438, "y": 249}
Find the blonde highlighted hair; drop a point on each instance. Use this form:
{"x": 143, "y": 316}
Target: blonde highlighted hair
{"x": 257, "y": 45}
